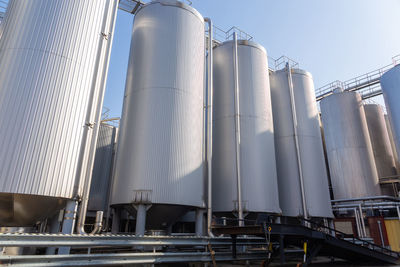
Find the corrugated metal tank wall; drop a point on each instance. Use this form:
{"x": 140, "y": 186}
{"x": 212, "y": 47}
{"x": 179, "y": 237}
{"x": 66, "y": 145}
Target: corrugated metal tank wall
{"x": 392, "y": 143}
{"x": 390, "y": 83}
{"x": 102, "y": 168}
{"x": 310, "y": 145}
{"x": 383, "y": 154}
{"x": 257, "y": 156}
{"x": 349, "y": 150}
{"x": 52, "y": 60}
{"x": 160, "y": 148}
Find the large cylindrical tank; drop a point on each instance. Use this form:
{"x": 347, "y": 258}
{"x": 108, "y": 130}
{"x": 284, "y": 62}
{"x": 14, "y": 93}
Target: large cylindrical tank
{"x": 310, "y": 147}
{"x": 53, "y": 61}
{"x": 349, "y": 150}
{"x": 390, "y": 83}
{"x": 160, "y": 147}
{"x": 380, "y": 140}
{"x": 257, "y": 158}
{"x": 102, "y": 168}
{"x": 392, "y": 143}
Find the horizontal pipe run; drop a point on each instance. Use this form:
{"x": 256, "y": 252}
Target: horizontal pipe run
{"x": 124, "y": 258}
{"x": 46, "y": 240}
{"x": 366, "y": 199}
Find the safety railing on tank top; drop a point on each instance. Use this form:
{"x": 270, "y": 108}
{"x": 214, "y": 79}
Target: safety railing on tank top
{"x": 3, "y": 7}
{"x": 368, "y": 84}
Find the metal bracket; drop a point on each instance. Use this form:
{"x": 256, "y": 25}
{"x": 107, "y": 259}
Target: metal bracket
{"x": 90, "y": 124}
{"x": 105, "y": 36}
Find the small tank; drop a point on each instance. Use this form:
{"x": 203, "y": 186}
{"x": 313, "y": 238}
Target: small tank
{"x": 305, "y": 124}
{"x": 348, "y": 145}
{"x": 257, "y": 153}
{"x": 380, "y": 140}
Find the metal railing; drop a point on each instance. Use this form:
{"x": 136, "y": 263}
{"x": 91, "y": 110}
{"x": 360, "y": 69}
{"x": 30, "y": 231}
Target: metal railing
{"x": 368, "y": 84}
{"x": 130, "y": 6}
{"x": 355, "y": 240}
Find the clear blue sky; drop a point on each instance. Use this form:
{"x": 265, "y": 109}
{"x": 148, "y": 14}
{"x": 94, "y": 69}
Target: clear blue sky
{"x": 333, "y": 39}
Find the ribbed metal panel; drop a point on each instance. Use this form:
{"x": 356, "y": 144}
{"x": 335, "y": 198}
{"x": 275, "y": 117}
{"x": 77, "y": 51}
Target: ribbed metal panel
{"x": 160, "y": 148}
{"x": 51, "y": 53}
{"x": 380, "y": 140}
{"x": 390, "y": 82}
{"x": 348, "y": 145}
{"x": 257, "y": 152}
{"x": 102, "y": 169}
{"x": 392, "y": 143}
{"x": 310, "y": 145}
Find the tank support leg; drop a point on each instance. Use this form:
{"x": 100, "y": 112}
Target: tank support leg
{"x": 199, "y": 222}
{"x": 116, "y": 221}
{"x": 140, "y": 219}
{"x": 69, "y": 223}
{"x": 54, "y": 229}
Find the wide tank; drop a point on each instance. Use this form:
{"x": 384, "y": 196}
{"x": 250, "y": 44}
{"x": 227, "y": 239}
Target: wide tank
{"x": 390, "y": 83}
{"x": 380, "y": 140}
{"x": 310, "y": 148}
{"x": 53, "y": 61}
{"x": 160, "y": 147}
{"x": 102, "y": 168}
{"x": 348, "y": 145}
{"x": 257, "y": 157}
{"x": 392, "y": 143}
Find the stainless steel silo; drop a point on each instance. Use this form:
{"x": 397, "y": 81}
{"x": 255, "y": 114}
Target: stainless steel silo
{"x": 299, "y": 150}
{"x": 349, "y": 150}
{"x": 380, "y": 141}
{"x": 102, "y": 168}
{"x": 390, "y": 83}
{"x": 243, "y": 163}
{"x": 392, "y": 143}
{"x": 160, "y": 148}
{"x": 53, "y": 60}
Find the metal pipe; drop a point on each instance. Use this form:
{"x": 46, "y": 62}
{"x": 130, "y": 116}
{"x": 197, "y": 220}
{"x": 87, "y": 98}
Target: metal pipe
{"x": 296, "y": 140}
{"x": 357, "y": 222}
{"x": 380, "y": 233}
{"x": 107, "y": 36}
{"x": 366, "y": 199}
{"x": 140, "y": 220}
{"x": 237, "y": 128}
{"x": 362, "y": 220}
{"x": 398, "y": 212}
{"x": 210, "y": 92}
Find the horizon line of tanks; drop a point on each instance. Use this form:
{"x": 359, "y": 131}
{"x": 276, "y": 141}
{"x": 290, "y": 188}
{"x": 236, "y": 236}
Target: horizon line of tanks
{"x": 193, "y": 110}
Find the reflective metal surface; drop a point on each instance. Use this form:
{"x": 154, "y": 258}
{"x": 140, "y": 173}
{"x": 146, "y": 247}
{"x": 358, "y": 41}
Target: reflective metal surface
{"x": 390, "y": 82}
{"x": 51, "y": 57}
{"x": 380, "y": 140}
{"x": 349, "y": 150}
{"x": 160, "y": 149}
{"x": 392, "y": 143}
{"x": 311, "y": 152}
{"x": 102, "y": 169}
{"x": 257, "y": 156}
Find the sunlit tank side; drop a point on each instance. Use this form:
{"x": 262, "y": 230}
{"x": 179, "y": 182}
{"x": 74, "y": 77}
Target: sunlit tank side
{"x": 53, "y": 61}
{"x": 257, "y": 156}
{"x": 390, "y": 83}
{"x": 160, "y": 148}
{"x": 350, "y": 155}
{"x": 311, "y": 151}
{"x": 102, "y": 168}
{"x": 392, "y": 143}
{"x": 380, "y": 141}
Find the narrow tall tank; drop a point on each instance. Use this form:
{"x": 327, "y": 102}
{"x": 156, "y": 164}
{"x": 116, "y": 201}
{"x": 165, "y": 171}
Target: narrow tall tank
{"x": 102, "y": 168}
{"x": 160, "y": 148}
{"x": 390, "y": 83}
{"x": 312, "y": 169}
{"x": 53, "y": 61}
{"x": 257, "y": 157}
{"x": 380, "y": 141}
{"x": 349, "y": 150}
